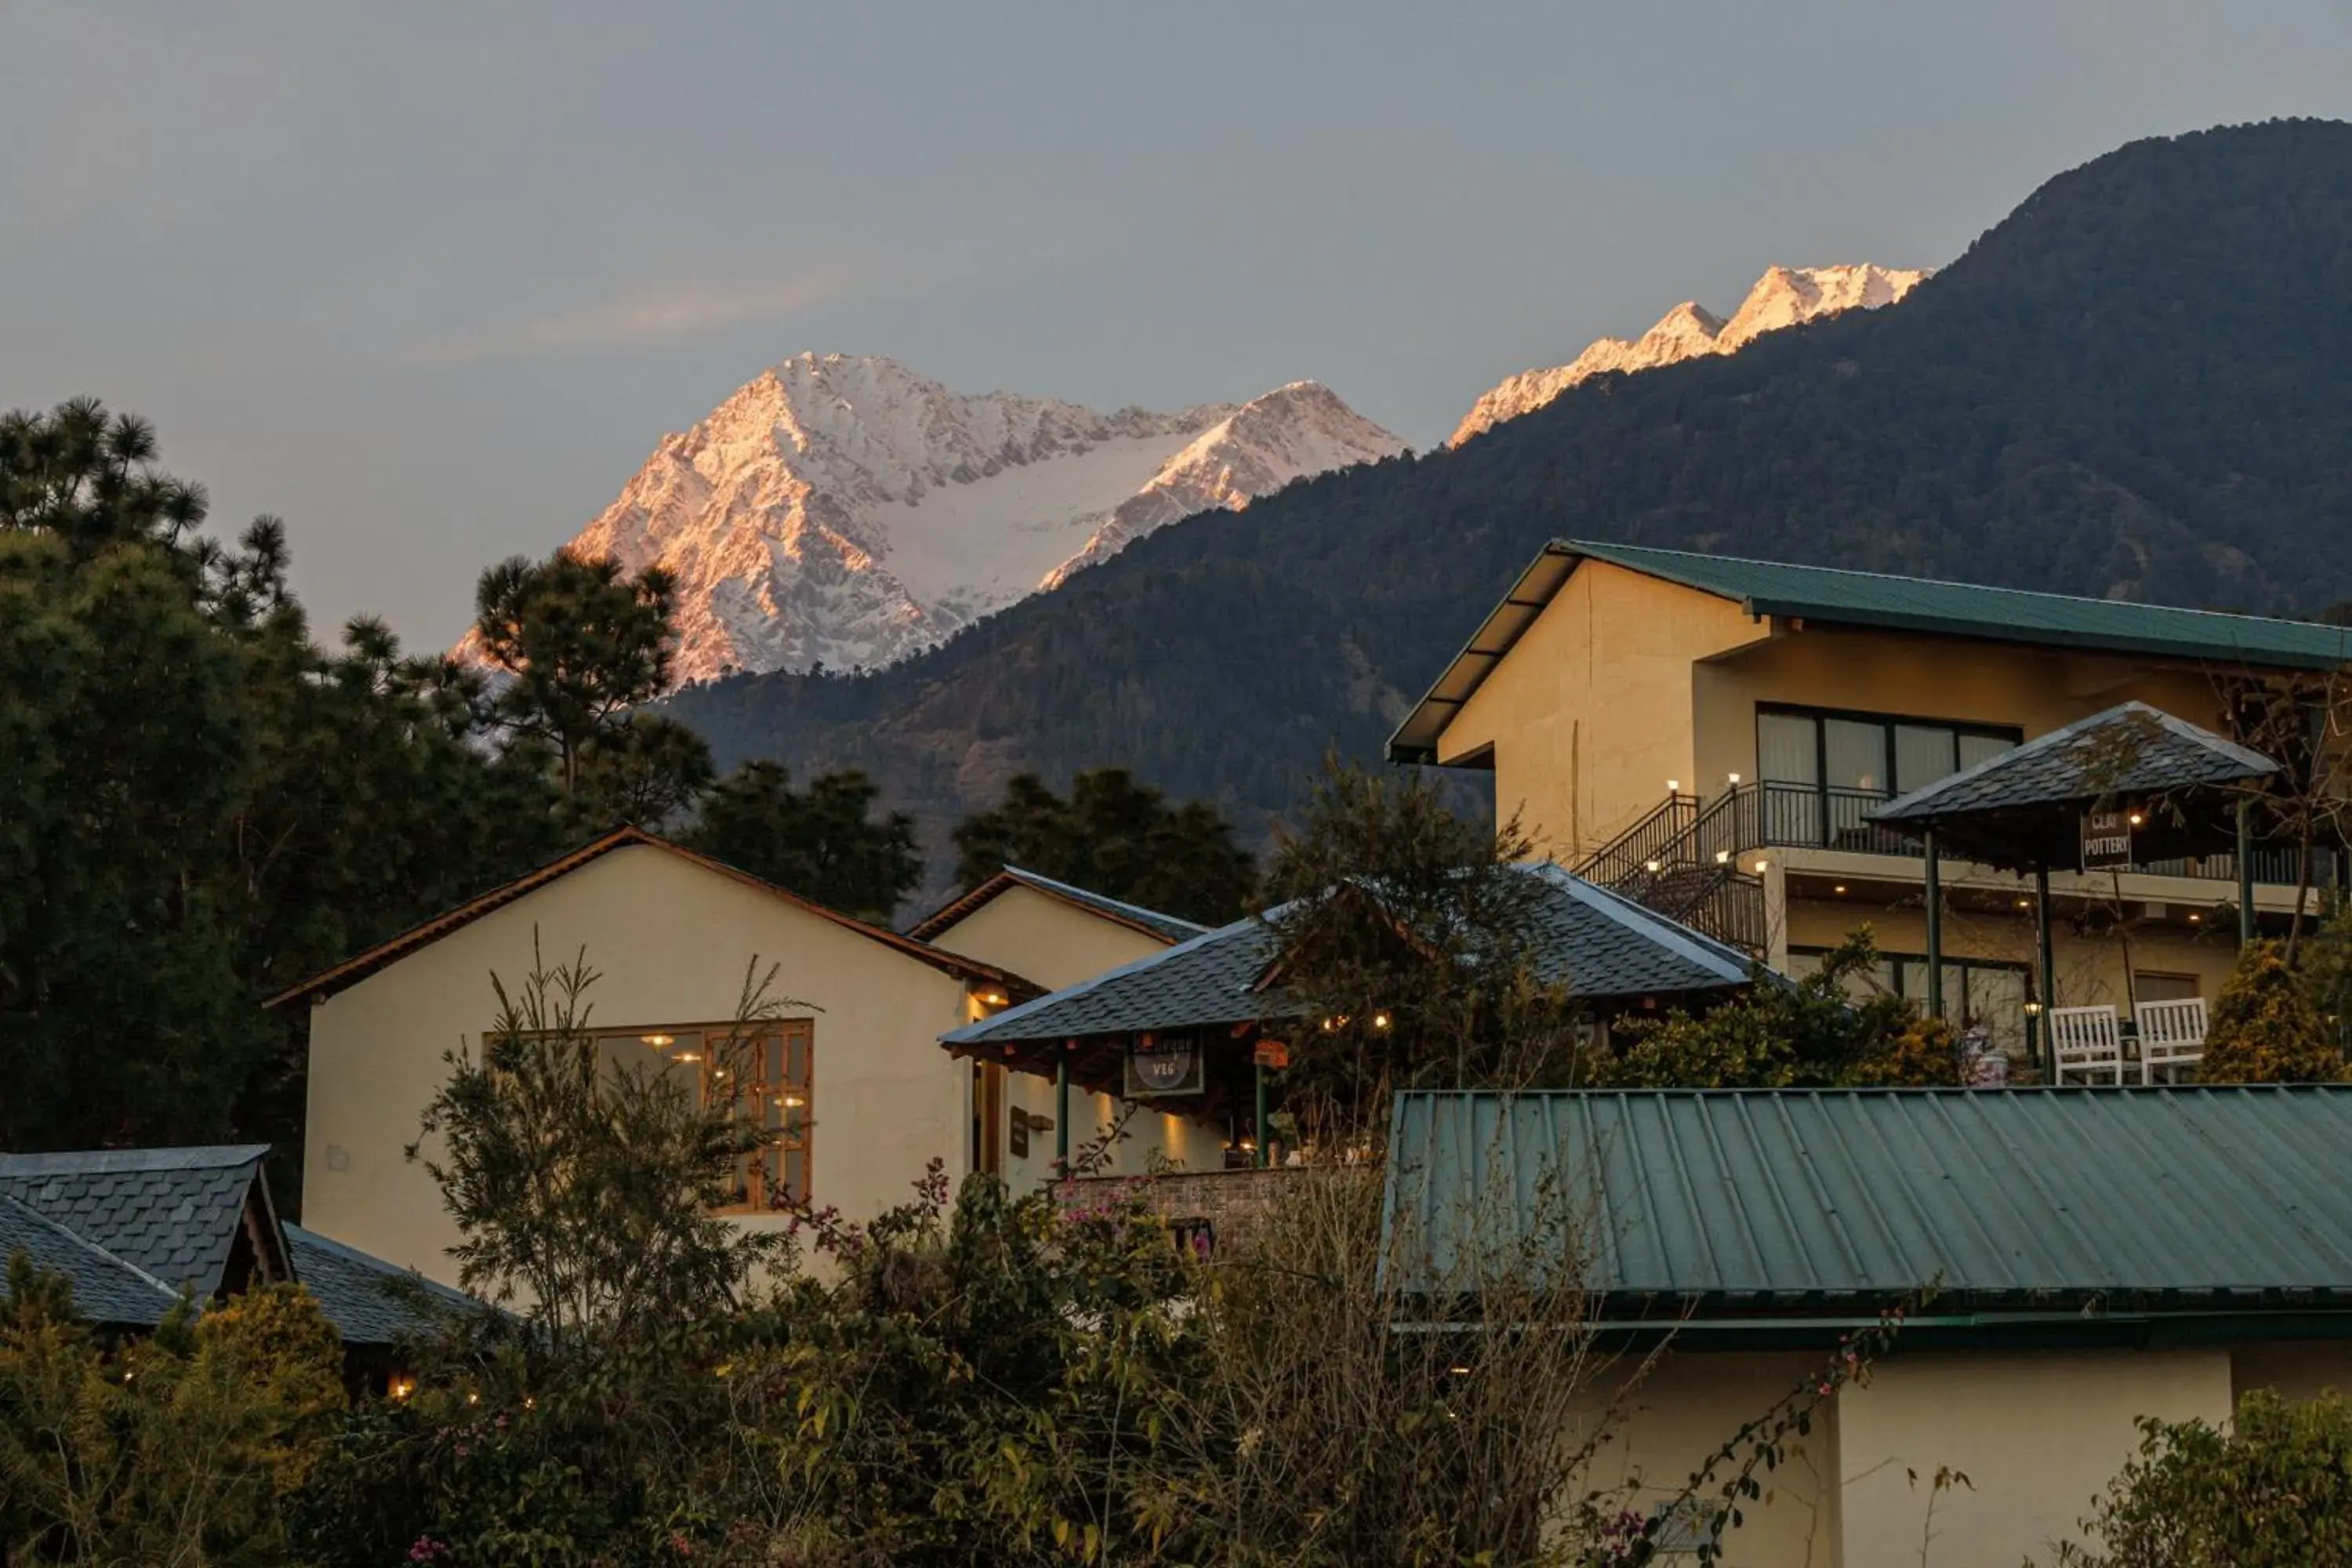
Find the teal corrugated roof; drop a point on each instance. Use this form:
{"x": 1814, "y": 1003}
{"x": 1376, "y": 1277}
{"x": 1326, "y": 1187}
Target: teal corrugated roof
{"x": 1873, "y": 599}
{"x": 1766, "y": 1199}
{"x": 1969, "y": 609}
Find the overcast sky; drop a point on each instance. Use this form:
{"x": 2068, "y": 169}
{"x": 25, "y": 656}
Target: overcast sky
{"x": 430, "y": 280}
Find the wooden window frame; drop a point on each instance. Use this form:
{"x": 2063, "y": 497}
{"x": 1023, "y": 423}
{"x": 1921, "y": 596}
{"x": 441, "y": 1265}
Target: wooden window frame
{"x": 729, "y": 1040}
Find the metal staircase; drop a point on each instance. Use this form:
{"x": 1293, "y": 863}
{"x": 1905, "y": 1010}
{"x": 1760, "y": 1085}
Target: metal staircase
{"x": 1682, "y": 861}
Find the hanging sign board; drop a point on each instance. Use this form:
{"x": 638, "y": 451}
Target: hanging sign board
{"x": 2106, "y": 840}
{"x": 1162, "y": 1065}
{"x": 1273, "y": 1054}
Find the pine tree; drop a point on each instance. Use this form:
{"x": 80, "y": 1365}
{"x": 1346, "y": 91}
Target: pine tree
{"x": 823, "y": 842}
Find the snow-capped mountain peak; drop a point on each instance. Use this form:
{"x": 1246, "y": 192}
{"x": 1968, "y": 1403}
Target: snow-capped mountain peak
{"x": 845, "y": 509}
{"x": 1784, "y": 297}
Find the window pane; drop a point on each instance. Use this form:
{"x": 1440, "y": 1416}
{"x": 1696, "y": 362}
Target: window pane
{"x": 1975, "y": 749}
{"x": 2148, "y": 987}
{"x": 1922, "y": 755}
{"x": 1997, "y": 1000}
{"x": 796, "y": 1176}
{"x": 1855, "y": 755}
{"x": 1785, "y": 749}
{"x": 796, "y": 1058}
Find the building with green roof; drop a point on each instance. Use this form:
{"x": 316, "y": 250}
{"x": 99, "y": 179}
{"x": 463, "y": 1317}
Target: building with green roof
{"x": 1714, "y": 737}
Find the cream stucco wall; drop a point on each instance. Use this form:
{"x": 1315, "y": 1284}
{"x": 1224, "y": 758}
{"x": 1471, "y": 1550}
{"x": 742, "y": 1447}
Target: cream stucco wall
{"x": 1688, "y": 1406}
{"x": 2293, "y": 1369}
{"x": 1917, "y": 676}
{"x": 673, "y": 941}
{"x": 2037, "y": 1434}
{"x": 2089, "y": 969}
{"x": 1590, "y": 714}
{"x": 1624, "y": 681}
{"x": 1044, "y": 939}
{"x": 1059, "y": 944}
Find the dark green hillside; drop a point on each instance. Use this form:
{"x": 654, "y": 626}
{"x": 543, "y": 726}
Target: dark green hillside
{"x": 2140, "y": 385}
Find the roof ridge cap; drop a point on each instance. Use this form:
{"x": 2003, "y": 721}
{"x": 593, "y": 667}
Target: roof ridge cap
{"x": 86, "y": 1245}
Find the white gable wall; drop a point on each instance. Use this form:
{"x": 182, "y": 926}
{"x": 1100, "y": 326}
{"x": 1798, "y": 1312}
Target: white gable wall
{"x": 672, "y": 941}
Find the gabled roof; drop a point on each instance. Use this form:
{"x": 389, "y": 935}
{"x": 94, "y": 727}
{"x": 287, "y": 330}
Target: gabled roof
{"x": 1599, "y": 942}
{"x": 351, "y": 971}
{"x": 370, "y": 1301}
{"x": 1745, "y": 1201}
{"x": 1871, "y": 599}
{"x": 106, "y": 1290}
{"x": 173, "y": 1214}
{"x": 2131, "y": 749}
{"x": 1135, "y": 917}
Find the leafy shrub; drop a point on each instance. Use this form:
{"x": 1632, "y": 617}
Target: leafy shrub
{"x": 181, "y": 1447}
{"x": 1809, "y": 1033}
{"x": 2263, "y": 1029}
{"x": 2273, "y": 1490}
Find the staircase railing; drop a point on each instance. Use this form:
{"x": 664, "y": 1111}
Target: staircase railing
{"x": 1644, "y": 841}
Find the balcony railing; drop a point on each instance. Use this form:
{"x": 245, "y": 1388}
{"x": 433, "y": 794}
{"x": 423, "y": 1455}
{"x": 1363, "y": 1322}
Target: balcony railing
{"x": 1771, "y": 815}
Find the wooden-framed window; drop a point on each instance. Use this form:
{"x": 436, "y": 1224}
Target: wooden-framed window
{"x": 763, "y": 1072}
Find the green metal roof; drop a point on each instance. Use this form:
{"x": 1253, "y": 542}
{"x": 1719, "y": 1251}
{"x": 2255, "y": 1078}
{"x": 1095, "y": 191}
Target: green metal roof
{"x": 1731, "y": 1203}
{"x": 1871, "y": 599}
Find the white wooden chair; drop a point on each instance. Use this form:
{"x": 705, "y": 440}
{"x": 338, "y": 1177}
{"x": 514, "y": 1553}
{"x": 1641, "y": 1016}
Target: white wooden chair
{"x": 2087, "y": 1042}
{"x": 2171, "y": 1036}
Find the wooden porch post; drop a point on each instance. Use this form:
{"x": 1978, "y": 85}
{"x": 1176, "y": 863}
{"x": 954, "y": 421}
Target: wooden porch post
{"x": 1934, "y": 930}
{"x": 1062, "y": 1107}
{"x": 1260, "y": 1070}
{"x": 2049, "y": 970}
{"x": 2245, "y": 872}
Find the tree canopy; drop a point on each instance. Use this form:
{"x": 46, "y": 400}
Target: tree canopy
{"x": 1111, "y": 836}
{"x": 206, "y": 805}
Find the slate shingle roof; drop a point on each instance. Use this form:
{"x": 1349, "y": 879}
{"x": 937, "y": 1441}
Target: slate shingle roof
{"x": 364, "y": 1297}
{"x": 106, "y": 1288}
{"x": 173, "y": 1213}
{"x": 1600, "y": 943}
{"x": 2129, "y": 748}
{"x": 1167, "y": 927}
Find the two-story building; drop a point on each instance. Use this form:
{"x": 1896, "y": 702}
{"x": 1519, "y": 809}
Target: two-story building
{"x": 1710, "y": 734}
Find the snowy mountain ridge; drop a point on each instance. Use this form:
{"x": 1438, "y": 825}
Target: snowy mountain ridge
{"x": 843, "y": 509}
{"x": 1784, "y": 297}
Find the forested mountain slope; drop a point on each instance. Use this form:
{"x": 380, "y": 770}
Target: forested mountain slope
{"x": 2137, "y": 385}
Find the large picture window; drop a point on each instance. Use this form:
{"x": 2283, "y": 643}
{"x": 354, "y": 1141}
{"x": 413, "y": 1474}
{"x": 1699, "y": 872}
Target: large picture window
{"x": 1990, "y": 992}
{"x": 1822, "y": 771}
{"x": 763, "y": 1073}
